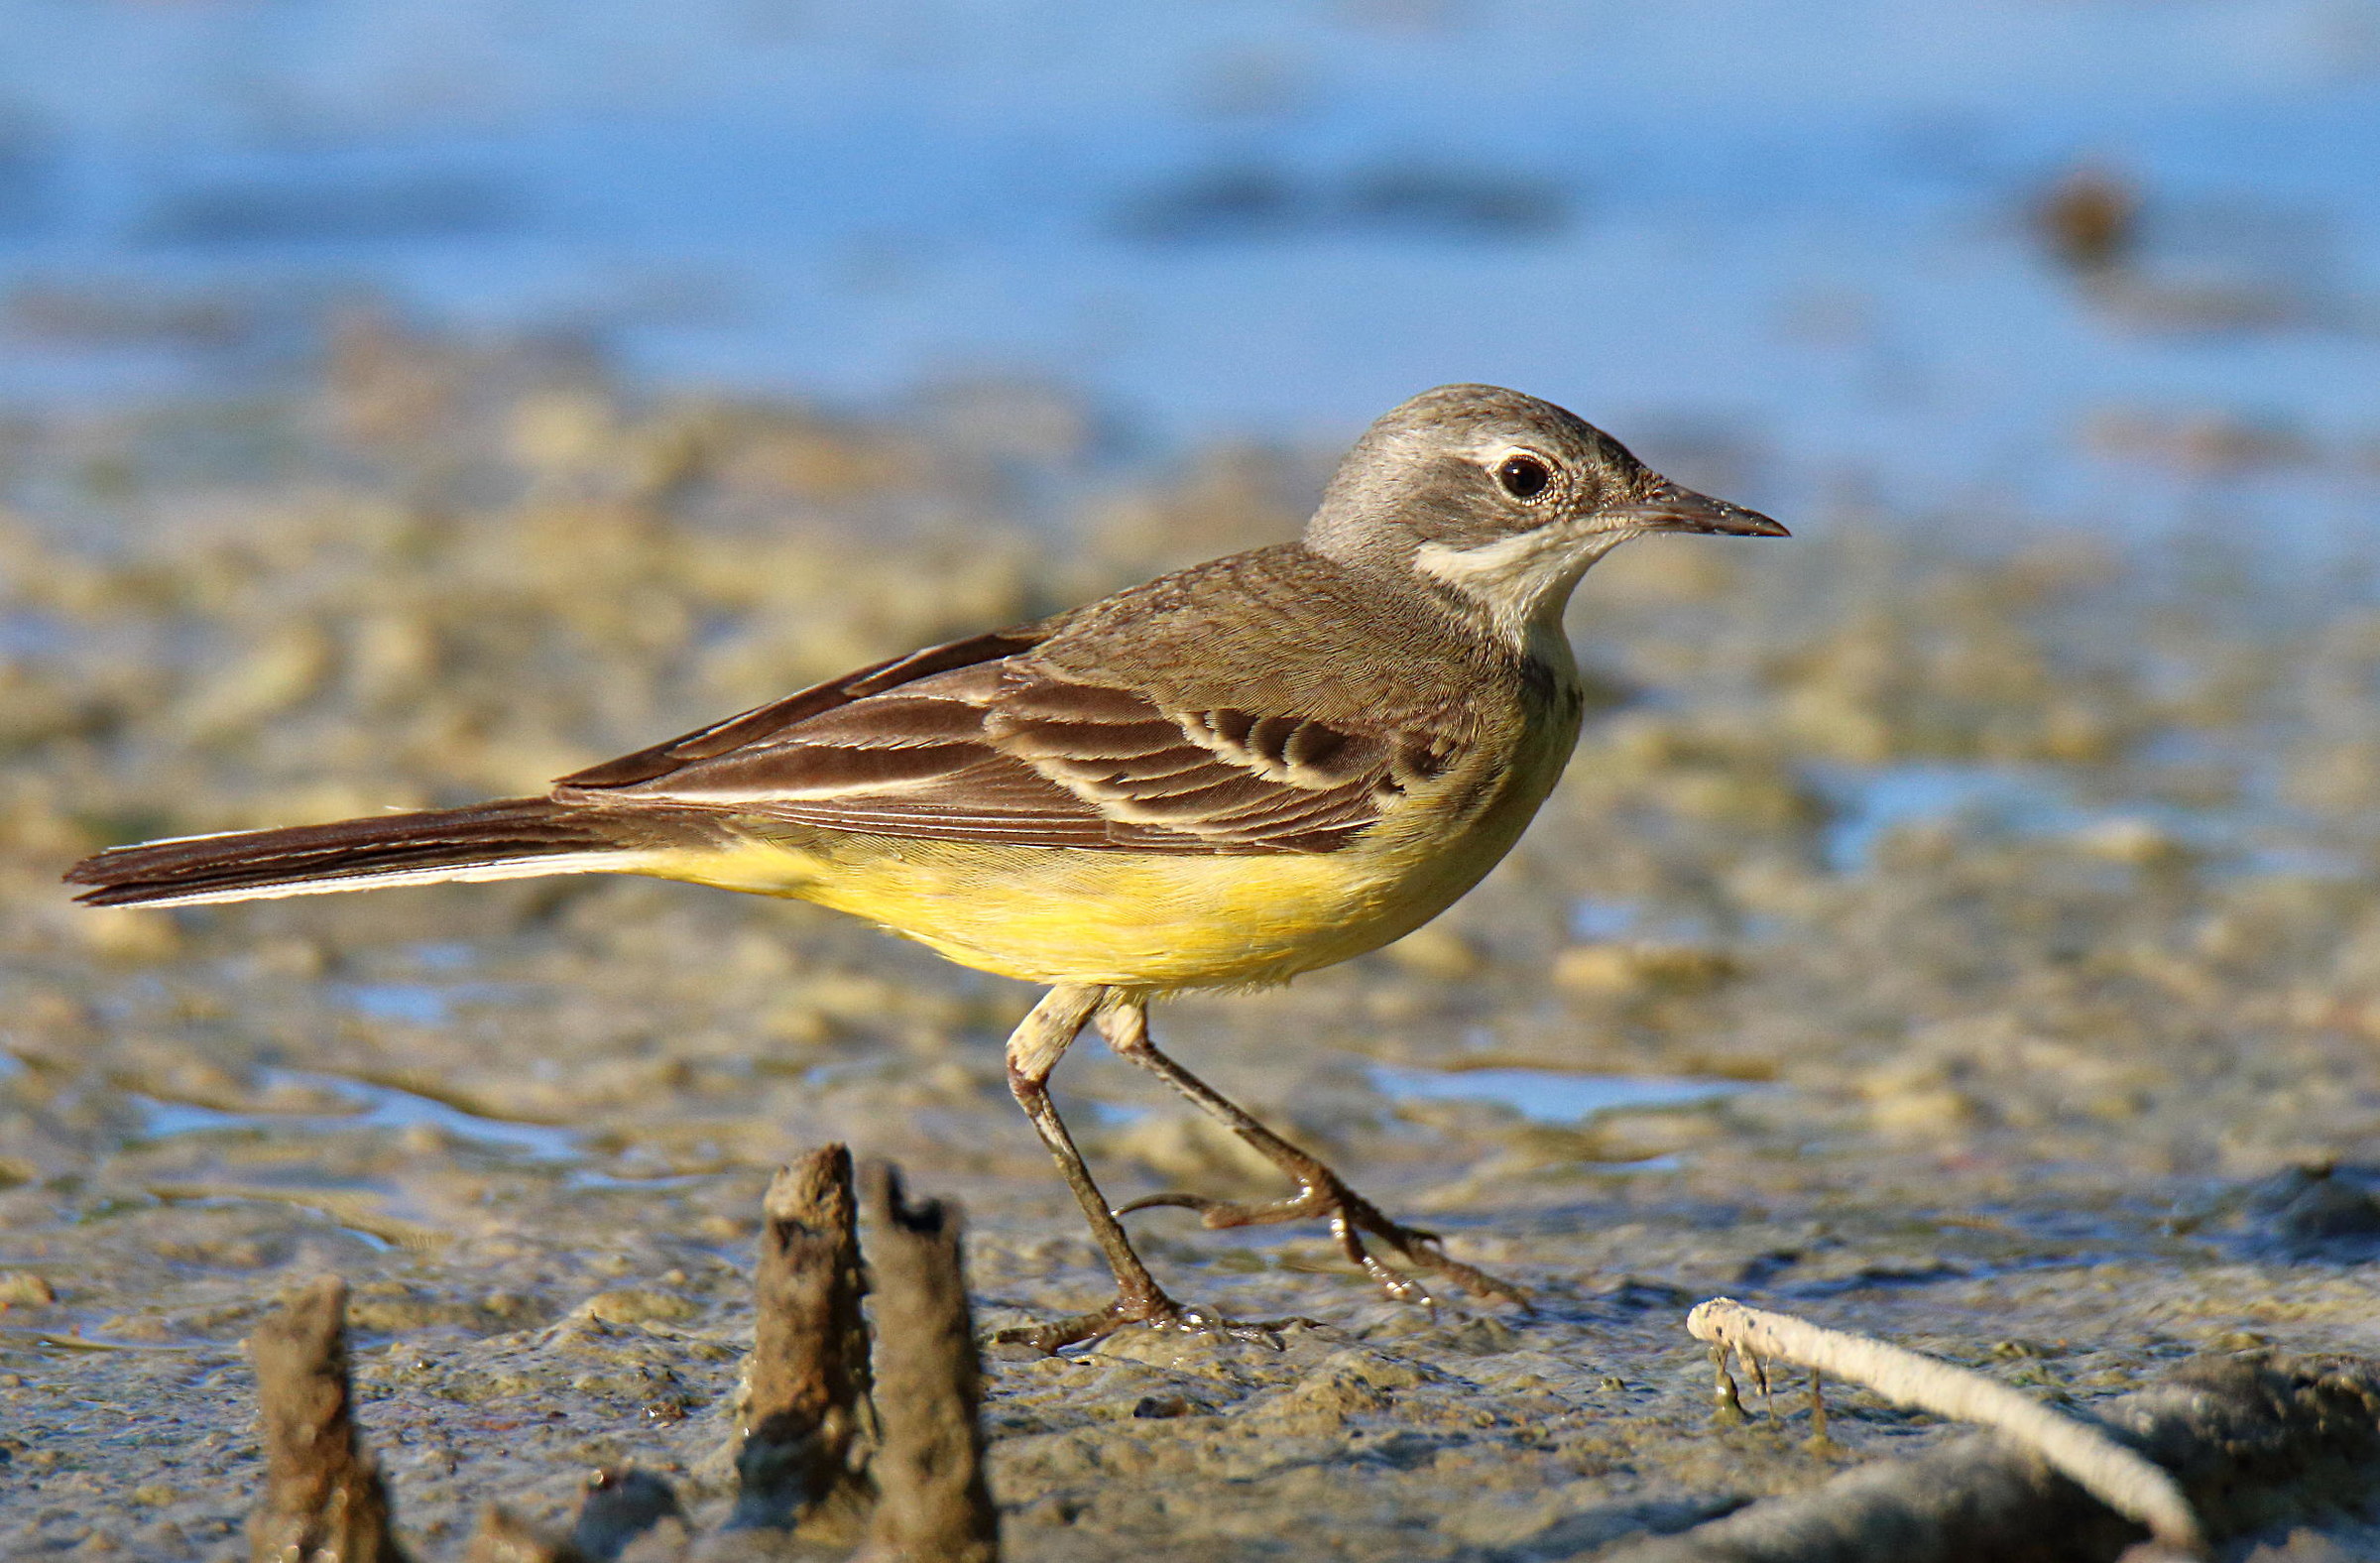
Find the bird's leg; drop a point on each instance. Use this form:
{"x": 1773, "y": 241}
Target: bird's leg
{"x": 1034, "y": 1049}
{"x": 1124, "y": 1021}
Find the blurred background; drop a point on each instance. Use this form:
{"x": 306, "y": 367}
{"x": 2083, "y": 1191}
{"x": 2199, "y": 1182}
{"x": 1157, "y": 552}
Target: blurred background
{"x": 2114, "y": 261}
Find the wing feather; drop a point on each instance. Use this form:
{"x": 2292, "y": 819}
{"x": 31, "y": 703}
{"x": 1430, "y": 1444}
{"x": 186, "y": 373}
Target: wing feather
{"x": 763, "y": 722}
{"x": 977, "y": 742}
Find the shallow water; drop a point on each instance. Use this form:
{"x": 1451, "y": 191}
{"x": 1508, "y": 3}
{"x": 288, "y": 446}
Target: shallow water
{"x": 1789, "y": 247}
{"x": 363, "y": 1105}
{"x": 1543, "y": 1096}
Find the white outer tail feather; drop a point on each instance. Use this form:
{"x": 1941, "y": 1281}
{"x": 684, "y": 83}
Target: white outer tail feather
{"x": 623, "y": 861}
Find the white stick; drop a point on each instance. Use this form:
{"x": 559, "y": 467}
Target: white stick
{"x": 2123, "y": 1480}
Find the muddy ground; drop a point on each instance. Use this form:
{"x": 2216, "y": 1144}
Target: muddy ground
{"x": 1957, "y": 932}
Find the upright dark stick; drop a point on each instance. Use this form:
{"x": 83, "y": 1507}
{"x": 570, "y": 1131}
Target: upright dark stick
{"x": 810, "y": 1354}
{"x": 323, "y": 1496}
{"x": 932, "y": 1505}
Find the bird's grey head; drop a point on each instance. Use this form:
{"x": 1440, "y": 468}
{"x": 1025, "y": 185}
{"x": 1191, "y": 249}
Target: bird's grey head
{"x": 1502, "y": 500}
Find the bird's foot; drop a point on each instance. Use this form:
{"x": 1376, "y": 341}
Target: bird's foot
{"x": 1154, "y": 1311}
{"x": 1352, "y": 1217}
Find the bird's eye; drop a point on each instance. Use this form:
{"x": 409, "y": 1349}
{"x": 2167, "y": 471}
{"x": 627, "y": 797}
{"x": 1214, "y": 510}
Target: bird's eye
{"x": 1523, "y": 477}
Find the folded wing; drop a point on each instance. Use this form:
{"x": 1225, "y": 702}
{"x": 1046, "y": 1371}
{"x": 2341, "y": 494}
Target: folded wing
{"x": 977, "y": 742}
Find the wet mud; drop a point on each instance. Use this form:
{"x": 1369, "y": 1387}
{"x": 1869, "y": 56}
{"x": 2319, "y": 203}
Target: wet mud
{"x": 1962, "y": 935}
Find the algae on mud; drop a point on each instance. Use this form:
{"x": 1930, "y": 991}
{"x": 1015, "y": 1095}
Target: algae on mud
{"x": 2029, "y": 886}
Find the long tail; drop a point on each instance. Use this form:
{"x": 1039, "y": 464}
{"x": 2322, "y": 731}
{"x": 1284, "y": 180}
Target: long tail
{"x": 512, "y": 839}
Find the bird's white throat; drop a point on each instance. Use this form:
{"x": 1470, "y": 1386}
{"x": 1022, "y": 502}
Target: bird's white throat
{"x": 1522, "y": 583}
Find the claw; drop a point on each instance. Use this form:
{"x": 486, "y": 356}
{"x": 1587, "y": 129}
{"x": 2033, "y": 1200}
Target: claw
{"x": 1352, "y": 1217}
{"x": 1197, "y": 1202}
{"x": 1221, "y": 1213}
{"x": 1054, "y": 1336}
{"x": 1057, "y": 1334}
{"x": 1399, "y": 1288}
{"x": 1420, "y": 1248}
{"x": 1124, "y": 1019}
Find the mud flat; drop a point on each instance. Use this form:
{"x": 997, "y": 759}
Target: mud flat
{"x": 1968, "y": 941}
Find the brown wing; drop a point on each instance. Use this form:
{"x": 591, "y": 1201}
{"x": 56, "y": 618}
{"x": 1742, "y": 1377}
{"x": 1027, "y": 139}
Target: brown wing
{"x": 976, "y": 742}
{"x": 761, "y": 722}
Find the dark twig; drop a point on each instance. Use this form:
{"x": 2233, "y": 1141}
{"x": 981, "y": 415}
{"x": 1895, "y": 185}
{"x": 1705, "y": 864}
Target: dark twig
{"x": 932, "y": 1504}
{"x": 801, "y": 1458}
{"x": 324, "y": 1497}
{"x": 806, "y": 1457}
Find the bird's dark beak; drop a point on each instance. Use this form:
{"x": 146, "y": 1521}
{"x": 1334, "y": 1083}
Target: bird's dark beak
{"x": 1670, "y": 507}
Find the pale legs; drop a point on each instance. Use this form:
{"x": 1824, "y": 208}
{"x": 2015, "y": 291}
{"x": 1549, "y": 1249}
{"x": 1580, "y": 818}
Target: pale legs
{"x": 1034, "y": 1049}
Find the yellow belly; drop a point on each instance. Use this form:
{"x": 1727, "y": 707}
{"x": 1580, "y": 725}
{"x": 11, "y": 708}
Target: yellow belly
{"x": 1155, "y": 920}
{"x": 1059, "y": 915}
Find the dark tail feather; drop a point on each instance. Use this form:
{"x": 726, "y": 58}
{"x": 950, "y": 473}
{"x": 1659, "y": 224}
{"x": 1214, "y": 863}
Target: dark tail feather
{"x": 510, "y": 839}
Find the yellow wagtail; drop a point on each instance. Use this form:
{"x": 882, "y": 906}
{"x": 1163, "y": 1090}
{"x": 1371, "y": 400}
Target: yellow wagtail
{"x": 1234, "y": 774}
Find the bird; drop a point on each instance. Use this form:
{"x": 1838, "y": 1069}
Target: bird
{"x": 1220, "y": 778}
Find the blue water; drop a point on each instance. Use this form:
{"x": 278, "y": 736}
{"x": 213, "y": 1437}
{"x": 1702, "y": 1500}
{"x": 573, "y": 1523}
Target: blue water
{"x": 1871, "y": 801}
{"x": 1546, "y": 1096}
{"x": 1595, "y": 919}
{"x": 407, "y": 1004}
{"x": 1779, "y": 243}
{"x": 374, "y": 1106}
{"x": 1868, "y": 803}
